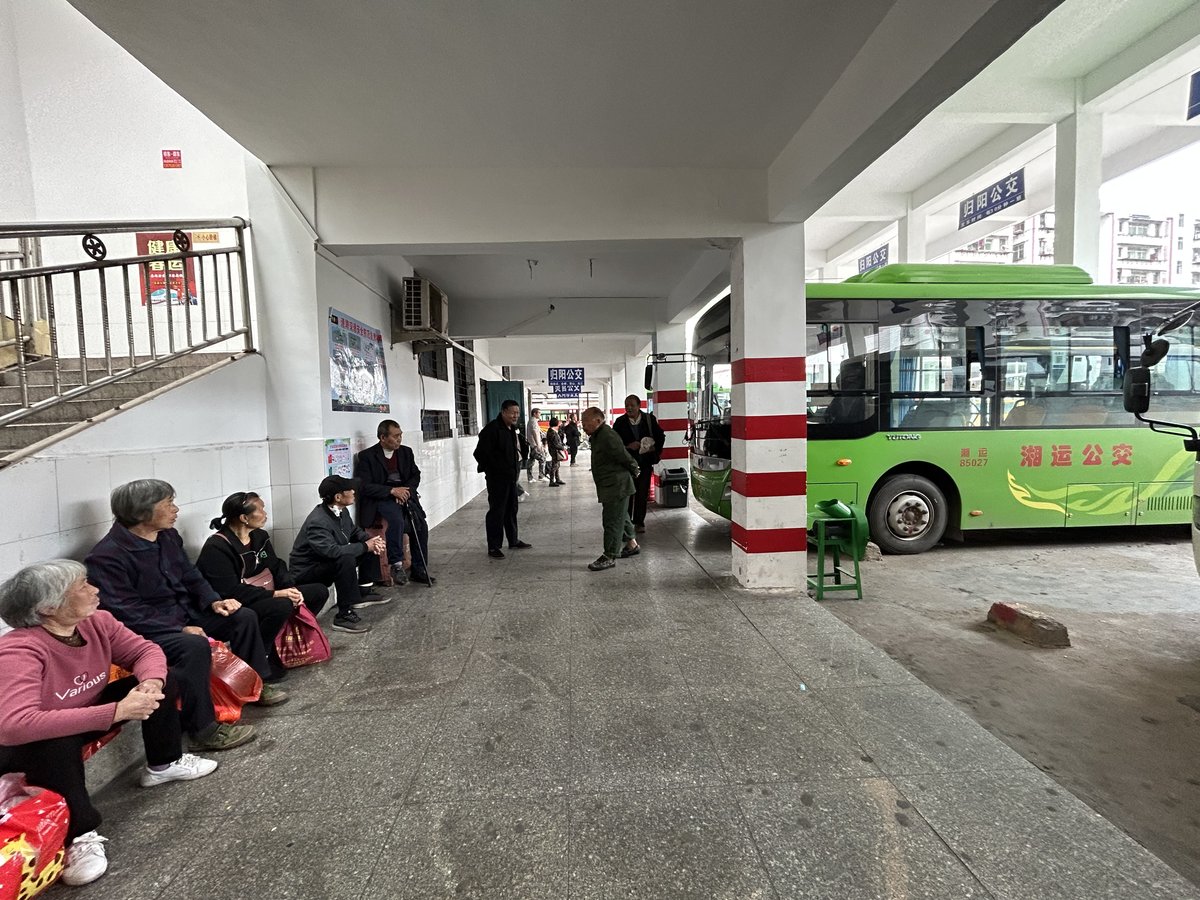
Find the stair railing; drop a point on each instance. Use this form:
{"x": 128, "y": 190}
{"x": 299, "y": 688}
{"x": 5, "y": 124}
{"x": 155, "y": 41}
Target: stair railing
{"x": 91, "y": 319}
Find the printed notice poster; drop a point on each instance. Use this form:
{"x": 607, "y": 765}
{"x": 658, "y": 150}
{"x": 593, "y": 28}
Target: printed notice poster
{"x": 338, "y": 459}
{"x": 161, "y": 278}
{"x": 357, "y": 369}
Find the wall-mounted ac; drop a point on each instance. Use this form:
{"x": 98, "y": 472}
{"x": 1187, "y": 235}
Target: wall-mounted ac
{"x": 421, "y": 312}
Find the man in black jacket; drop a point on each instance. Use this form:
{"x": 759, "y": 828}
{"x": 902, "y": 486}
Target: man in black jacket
{"x": 331, "y": 549}
{"x": 644, "y": 438}
{"x": 499, "y": 456}
{"x": 388, "y": 477}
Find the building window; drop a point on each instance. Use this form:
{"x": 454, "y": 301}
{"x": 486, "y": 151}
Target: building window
{"x": 1181, "y": 220}
{"x": 1179, "y": 243}
{"x": 464, "y": 390}
{"x": 432, "y": 363}
{"x": 1196, "y": 278}
{"x": 1179, "y": 267}
{"x": 435, "y": 424}
{"x": 1018, "y": 251}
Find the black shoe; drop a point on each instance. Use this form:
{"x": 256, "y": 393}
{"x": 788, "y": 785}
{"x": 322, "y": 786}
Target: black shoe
{"x": 350, "y": 622}
{"x": 630, "y": 551}
{"x": 601, "y": 563}
{"x": 399, "y": 576}
{"x": 554, "y": 484}
{"x": 370, "y": 599}
{"x": 520, "y": 545}
{"x": 496, "y": 554}
{"x": 422, "y": 578}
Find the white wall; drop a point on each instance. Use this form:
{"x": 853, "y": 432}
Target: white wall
{"x": 193, "y": 437}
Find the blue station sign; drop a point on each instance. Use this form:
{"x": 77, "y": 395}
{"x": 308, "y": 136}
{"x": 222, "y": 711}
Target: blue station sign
{"x": 876, "y": 259}
{"x": 1004, "y": 193}
{"x": 1194, "y": 97}
{"x": 566, "y": 381}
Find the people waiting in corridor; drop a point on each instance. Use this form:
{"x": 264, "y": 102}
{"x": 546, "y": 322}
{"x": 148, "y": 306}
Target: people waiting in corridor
{"x": 537, "y": 453}
{"x": 644, "y": 439}
{"x": 332, "y": 550}
{"x": 388, "y": 478}
{"x": 498, "y": 454}
{"x": 614, "y": 470}
{"x": 554, "y": 449}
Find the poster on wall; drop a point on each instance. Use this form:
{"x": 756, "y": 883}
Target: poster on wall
{"x": 174, "y": 277}
{"x": 338, "y": 458}
{"x": 357, "y": 369}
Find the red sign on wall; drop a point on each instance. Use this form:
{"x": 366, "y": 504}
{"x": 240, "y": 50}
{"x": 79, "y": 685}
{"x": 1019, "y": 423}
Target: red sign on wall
{"x": 172, "y": 159}
{"x": 165, "y": 273}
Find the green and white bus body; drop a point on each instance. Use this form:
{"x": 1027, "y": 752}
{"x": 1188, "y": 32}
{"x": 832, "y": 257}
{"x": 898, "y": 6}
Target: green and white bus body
{"x": 945, "y": 399}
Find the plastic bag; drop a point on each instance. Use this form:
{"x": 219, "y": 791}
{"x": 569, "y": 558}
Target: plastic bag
{"x": 33, "y": 829}
{"x": 233, "y": 683}
{"x": 301, "y": 642}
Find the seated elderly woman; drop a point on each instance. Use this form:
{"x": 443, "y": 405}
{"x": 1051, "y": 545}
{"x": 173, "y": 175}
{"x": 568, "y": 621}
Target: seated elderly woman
{"x": 57, "y": 697}
{"x": 239, "y": 562}
{"x": 147, "y": 581}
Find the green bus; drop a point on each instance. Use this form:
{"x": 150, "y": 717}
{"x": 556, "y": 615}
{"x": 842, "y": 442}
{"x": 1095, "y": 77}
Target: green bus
{"x": 949, "y": 398}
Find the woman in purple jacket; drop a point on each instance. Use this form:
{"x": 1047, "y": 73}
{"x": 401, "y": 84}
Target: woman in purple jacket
{"x": 57, "y": 697}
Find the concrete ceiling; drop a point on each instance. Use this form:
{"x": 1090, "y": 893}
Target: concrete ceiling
{"x": 799, "y": 94}
{"x": 1128, "y": 58}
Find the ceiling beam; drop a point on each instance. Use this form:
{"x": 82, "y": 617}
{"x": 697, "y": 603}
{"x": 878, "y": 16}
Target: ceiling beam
{"x": 1015, "y": 141}
{"x": 694, "y": 288}
{"x": 1163, "y": 142}
{"x": 1168, "y": 52}
{"x": 855, "y": 241}
{"x": 1032, "y": 204}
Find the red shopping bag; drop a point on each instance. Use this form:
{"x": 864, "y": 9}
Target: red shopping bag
{"x": 33, "y": 828}
{"x": 301, "y": 642}
{"x": 233, "y": 683}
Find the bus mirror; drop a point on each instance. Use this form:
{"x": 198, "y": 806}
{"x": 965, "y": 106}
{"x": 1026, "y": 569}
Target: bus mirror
{"x": 1137, "y": 390}
{"x": 1154, "y": 352}
{"x": 648, "y": 382}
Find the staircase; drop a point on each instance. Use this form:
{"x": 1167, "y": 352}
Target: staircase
{"x": 69, "y": 416}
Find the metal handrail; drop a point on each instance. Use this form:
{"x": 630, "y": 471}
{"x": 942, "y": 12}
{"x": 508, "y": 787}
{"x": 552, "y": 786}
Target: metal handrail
{"x": 52, "y": 297}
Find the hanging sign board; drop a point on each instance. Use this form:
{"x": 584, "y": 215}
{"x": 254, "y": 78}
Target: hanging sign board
{"x": 995, "y": 197}
{"x": 876, "y": 259}
{"x": 1194, "y": 97}
{"x": 567, "y": 381}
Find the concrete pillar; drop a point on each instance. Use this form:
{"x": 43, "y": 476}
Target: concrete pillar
{"x": 16, "y": 174}
{"x": 767, "y": 346}
{"x": 911, "y": 238}
{"x": 670, "y": 394}
{"x": 616, "y": 396}
{"x": 1077, "y": 178}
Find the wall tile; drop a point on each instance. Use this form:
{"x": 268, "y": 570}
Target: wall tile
{"x": 304, "y": 498}
{"x": 82, "y": 494}
{"x": 280, "y": 472}
{"x": 280, "y": 509}
{"x": 126, "y": 467}
{"x": 18, "y": 554}
{"x": 32, "y": 490}
{"x": 306, "y": 460}
{"x": 259, "y": 470}
{"x": 233, "y": 469}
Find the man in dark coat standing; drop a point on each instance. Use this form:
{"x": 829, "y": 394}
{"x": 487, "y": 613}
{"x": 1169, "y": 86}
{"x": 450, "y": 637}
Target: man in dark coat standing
{"x": 499, "y": 456}
{"x": 388, "y": 478}
{"x": 644, "y": 438}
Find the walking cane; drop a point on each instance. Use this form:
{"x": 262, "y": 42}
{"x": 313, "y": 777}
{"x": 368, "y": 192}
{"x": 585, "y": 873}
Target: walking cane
{"x": 417, "y": 544}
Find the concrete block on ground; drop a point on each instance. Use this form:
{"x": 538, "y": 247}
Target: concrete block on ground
{"x": 1029, "y": 625}
{"x": 873, "y": 553}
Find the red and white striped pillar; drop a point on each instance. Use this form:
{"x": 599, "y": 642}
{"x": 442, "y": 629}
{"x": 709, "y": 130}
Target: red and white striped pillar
{"x": 670, "y": 395}
{"x": 770, "y": 427}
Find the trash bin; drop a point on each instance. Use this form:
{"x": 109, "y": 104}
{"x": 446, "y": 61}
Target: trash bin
{"x": 674, "y": 487}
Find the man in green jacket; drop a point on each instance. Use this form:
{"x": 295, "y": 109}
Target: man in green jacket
{"x": 614, "y": 472}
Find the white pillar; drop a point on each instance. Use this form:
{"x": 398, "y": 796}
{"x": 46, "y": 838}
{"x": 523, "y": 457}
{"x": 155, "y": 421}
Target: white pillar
{"x": 670, "y": 393}
{"x": 911, "y": 241}
{"x": 767, "y": 347}
{"x": 16, "y": 175}
{"x": 616, "y": 396}
{"x": 1078, "y": 156}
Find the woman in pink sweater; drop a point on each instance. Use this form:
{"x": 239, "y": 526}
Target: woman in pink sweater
{"x": 57, "y": 697}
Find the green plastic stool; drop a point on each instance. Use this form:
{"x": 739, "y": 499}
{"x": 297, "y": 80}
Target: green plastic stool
{"x": 837, "y": 536}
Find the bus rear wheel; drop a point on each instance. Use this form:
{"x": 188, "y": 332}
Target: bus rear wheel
{"x": 908, "y": 514}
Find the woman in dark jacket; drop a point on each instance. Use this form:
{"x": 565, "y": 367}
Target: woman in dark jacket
{"x": 237, "y": 559}
{"x": 570, "y": 433}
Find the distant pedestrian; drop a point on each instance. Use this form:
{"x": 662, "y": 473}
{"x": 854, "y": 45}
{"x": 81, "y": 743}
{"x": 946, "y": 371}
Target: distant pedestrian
{"x": 498, "y": 454}
{"x": 644, "y": 438}
{"x": 554, "y": 449}
{"x": 614, "y": 471}
{"x": 537, "y": 454}
{"x": 570, "y": 433}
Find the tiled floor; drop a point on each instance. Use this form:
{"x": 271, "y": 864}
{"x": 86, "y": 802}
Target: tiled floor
{"x": 529, "y": 729}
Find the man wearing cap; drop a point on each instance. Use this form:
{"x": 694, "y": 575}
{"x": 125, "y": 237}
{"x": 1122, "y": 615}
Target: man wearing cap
{"x": 331, "y": 549}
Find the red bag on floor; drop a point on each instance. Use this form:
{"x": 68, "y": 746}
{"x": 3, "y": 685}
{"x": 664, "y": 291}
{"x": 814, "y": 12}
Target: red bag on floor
{"x": 233, "y": 683}
{"x": 33, "y": 828}
{"x": 301, "y": 642}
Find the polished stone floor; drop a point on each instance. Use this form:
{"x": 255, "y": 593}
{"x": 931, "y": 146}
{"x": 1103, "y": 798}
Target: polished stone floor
{"x": 529, "y": 729}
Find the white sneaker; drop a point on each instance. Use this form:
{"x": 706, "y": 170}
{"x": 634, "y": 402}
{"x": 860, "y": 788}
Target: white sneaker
{"x": 86, "y": 860}
{"x": 187, "y": 768}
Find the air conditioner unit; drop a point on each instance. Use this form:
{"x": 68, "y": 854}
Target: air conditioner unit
{"x": 421, "y": 313}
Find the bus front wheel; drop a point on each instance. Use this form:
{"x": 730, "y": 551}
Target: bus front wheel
{"x": 908, "y": 514}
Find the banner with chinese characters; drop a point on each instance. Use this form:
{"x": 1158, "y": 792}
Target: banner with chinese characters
{"x": 357, "y": 368}
{"x": 993, "y": 198}
{"x": 174, "y": 278}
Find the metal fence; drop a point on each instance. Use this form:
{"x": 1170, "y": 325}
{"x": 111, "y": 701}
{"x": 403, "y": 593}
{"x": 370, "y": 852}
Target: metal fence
{"x": 90, "y": 316}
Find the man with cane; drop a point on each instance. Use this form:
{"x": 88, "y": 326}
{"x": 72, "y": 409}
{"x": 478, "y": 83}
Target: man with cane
{"x": 388, "y": 478}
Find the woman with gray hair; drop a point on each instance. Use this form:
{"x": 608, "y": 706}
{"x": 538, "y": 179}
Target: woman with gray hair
{"x": 57, "y": 697}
